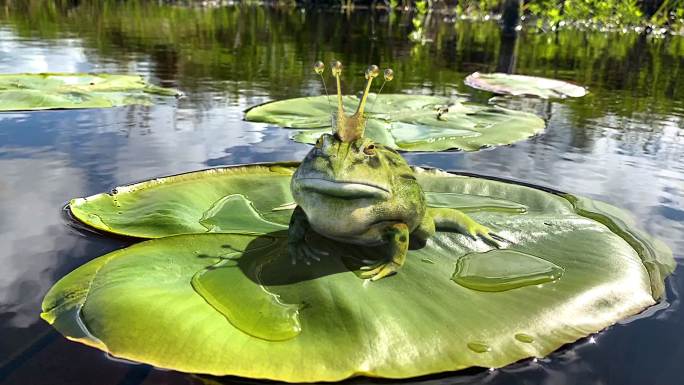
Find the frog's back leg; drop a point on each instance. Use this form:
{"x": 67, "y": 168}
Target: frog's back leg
{"x": 455, "y": 220}
{"x": 397, "y": 236}
{"x": 423, "y": 232}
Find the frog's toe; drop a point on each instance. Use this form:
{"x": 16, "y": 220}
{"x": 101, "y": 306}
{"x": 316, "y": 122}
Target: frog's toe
{"x": 487, "y": 236}
{"x": 485, "y": 233}
{"x": 369, "y": 271}
{"x": 380, "y": 271}
{"x": 306, "y": 254}
{"x": 386, "y": 270}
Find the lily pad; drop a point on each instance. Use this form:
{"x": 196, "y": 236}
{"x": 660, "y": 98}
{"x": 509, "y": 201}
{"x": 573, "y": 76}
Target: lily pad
{"x": 219, "y": 303}
{"x": 407, "y": 122}
{"x": 64, "y": 90}
{"x": 510, "y": 84}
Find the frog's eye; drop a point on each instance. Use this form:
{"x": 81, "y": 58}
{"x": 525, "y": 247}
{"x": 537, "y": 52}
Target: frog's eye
{"x": 369, "y": 149}
{"x": 319, "y": 143}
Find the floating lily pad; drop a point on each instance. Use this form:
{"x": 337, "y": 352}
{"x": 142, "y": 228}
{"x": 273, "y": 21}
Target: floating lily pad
{"x": 234, "y": 303}
{"x": 407, "y": 122}
{"x": 63, "y": 90}
{"x": 545, "y": 88}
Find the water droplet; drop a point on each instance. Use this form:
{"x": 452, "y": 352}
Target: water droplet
{"x": 428, "y": 260}
{"x": 503, "y": 269}
{"x": 479, "y": 347}
{"x": 473, "y": 203}
{"x": 409, "y": 133}
{"x": 237, "y": 213}
{"x": 97, "y": 222}
{"x": 247, "y": 305}
{"x": 526, "y": 338}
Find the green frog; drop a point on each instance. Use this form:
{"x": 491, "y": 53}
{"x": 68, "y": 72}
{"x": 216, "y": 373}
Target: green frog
{"x": 353, "y": 190}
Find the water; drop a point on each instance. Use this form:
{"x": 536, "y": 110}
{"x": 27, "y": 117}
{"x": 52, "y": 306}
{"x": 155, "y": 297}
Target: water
{"x": 623, "y": 143}
{"x": 505, "y": 269}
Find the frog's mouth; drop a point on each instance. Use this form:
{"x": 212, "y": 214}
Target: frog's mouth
{"x": 343, "y": 189}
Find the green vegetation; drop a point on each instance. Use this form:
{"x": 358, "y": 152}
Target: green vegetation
{"x": 408, "y": 122}
{"x": 216, "y": 291}
{"x": 57, "y": 90}
{"x": 269, "y": 52}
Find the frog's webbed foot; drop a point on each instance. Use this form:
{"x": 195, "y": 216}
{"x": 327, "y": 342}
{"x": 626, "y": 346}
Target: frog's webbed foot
{"x": 302, "y": 252}
{"x": 379, "y": 270}
{"x": 397, "y": 236}
{"x": 476, "y": 230}
{"x": 446, "y": 218}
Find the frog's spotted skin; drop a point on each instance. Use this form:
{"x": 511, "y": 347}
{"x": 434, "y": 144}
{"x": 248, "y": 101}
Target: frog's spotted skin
{"x": 350, "y": 189}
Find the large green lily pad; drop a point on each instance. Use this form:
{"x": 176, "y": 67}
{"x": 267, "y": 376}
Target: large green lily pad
{"x": 234, "y": 303}
{"x": 407, "y": 122}
{"x": 75, "y": 90}
{"x": 510, "y": 84}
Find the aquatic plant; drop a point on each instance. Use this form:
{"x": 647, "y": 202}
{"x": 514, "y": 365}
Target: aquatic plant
{"x": 219, "y": 275}
{"x": 524, "y": 85}
{"x": 405, "y": 122}
{"x": 73, "y": 90}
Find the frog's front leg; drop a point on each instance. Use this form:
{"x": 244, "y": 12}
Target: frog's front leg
{"x": 397, "y": 237}
{"x": 452, "y": 219}
{"x": 297, "y": 247}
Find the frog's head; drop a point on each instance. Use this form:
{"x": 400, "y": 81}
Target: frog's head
{"x": 359, "y": 169}
{"x": 347, "y": 182}
{"x": 345, "y": 164}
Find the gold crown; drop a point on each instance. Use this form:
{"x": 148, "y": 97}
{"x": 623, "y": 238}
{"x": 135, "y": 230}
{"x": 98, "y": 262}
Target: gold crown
{"x": 350, "y": 128}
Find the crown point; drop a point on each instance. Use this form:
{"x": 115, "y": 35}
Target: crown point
{"x": 336, "y": 68}
{"x": 318, "y": 67}
{"x": 372, "y": 71}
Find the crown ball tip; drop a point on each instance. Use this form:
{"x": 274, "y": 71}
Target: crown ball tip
{"x": 318, "y": 67}
{"x": 372, "y": 71}
{"x": 388, "y": 74}
{"x": 336, "y": 67}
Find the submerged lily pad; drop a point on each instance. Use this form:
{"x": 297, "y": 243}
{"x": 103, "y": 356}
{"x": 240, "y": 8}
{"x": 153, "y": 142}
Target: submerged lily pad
{"x": 64, "y": 90}
{"x": 234, "y": 303}
{"x": 407, "y": 122}
{"x": 510, "y": 84}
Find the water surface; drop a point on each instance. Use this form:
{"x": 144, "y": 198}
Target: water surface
{"x": 623, "y": 144}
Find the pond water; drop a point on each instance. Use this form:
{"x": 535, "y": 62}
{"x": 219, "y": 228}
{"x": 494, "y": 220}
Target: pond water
{"x": 623, "y": 144}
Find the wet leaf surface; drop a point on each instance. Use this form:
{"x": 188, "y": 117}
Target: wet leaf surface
{"x": 569, "y": 267}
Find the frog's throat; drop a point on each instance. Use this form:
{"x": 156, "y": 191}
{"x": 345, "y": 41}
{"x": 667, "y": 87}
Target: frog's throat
{"x": 351, "y": 128}
{"x": 344, "y": 189}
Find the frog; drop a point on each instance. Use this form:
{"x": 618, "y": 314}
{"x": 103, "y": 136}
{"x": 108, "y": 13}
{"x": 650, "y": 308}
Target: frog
{"x": 350, "y": 189}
